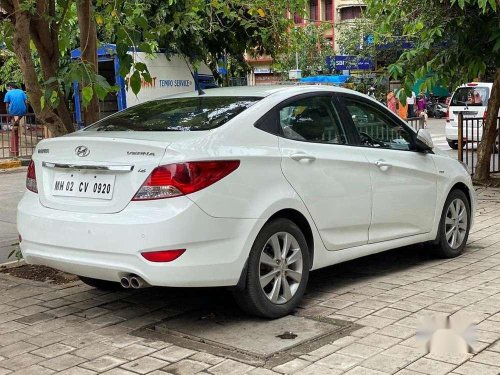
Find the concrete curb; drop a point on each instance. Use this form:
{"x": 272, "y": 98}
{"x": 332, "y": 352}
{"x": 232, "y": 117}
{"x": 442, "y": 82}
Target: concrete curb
{"x": 9, "y": 164}
{"x": 12, "y": 264}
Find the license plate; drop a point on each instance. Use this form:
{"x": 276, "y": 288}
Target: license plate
{"x": 83, "y": 185}
{"x": 467, "y": 114}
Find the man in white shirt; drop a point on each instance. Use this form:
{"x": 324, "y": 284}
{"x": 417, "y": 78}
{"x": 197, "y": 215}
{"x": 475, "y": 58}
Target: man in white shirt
{"x": 411, "y": 104}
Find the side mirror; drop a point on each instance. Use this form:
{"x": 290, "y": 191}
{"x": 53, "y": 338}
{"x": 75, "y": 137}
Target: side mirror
{"x": 424, "y": 137}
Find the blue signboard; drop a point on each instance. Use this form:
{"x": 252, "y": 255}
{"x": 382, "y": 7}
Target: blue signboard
{"x": 347, "y": 62}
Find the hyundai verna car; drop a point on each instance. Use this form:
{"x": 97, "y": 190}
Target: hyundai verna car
{"x": 250, "y": 188}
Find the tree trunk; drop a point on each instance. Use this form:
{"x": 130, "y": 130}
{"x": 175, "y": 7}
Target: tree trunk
{"x": 44, "y": 33}
{"x": 21, "y": 44}
{"x": 88, "y": 48}
{"x": 485, "y": 148}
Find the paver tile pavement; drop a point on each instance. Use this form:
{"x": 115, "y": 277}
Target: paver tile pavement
{"x": 74, "y": 329}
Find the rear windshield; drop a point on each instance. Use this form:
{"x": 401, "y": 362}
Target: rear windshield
{"x": 181, "y": 114}
{"x": 472, "y": 96}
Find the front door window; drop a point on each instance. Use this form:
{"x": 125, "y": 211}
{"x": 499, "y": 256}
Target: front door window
{"x": 375, "y": 129}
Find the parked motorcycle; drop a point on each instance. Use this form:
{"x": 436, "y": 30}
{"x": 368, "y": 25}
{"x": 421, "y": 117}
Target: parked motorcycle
{"x": 435, "y": 108}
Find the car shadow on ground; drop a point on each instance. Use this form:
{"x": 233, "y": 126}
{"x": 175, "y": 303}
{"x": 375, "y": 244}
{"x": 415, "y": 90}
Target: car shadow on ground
{"x": 381, "y": 264}
{"x": 327, "y": 280}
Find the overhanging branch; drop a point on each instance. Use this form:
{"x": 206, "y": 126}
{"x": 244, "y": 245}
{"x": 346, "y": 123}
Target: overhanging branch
{"x": 6, "y": 10}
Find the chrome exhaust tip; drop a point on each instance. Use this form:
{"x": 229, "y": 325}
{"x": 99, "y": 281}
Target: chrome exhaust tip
{"x": 125, "y": 282}
{"x": 137, "y": 282}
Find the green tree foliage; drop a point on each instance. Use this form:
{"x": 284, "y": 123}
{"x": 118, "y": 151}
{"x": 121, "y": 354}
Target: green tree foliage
{"x": 202, "y": 30}
{"x": 309, "y": 45}
{"x": 452, "y": 42}
{"x": 352, "y": 37}
{"x": 9, "y": 69}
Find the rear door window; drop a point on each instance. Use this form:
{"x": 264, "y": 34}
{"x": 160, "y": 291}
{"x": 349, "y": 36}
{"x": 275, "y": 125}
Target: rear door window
{"x": 471, "y": 96}
{"x": 312, "y": 119}
{"x": 178, "y": 114}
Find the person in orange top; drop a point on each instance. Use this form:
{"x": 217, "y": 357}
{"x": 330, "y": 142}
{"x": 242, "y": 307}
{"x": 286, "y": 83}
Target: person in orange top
{"x": 402, "y": 110}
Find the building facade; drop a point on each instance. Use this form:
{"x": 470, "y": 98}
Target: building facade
{"x": 318, "y": 12}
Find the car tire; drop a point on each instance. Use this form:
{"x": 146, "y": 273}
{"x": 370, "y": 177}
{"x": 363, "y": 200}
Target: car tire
{"x": 270, "y": 290}
{"x": 105, "y": 285}
{"x": 454, "y": 225}
{"x": 453, "y": 144}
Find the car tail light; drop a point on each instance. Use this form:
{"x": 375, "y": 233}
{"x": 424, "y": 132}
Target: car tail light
{"x": 163, "y": 255}
{"x": 472, "y": 84}
{"x": 173, "y": 180}
{"x": 31, "y": 178}
{"x": 485, "y": 115}
{"x": 448, "y": 114}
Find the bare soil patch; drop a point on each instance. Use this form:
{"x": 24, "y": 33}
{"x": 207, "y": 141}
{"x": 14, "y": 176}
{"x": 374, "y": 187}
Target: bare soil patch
{"x": 40, "y": 273}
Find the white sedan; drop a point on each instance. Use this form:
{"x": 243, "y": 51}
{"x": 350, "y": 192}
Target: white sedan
{"x": 250, "y": 188}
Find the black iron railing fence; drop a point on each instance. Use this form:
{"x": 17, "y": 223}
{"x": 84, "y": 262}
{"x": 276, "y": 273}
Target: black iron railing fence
{"x": 416, "y": 123}
{"x": 470, "y": 133}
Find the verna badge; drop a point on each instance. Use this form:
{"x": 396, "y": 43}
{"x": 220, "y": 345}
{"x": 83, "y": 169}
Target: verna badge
{"x": 82, "y": 151}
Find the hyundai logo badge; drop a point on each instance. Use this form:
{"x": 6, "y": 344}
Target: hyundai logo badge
{"x": 82, "y": 151}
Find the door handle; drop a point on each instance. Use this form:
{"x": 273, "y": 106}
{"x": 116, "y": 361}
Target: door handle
{"x": 383, "y": 165}
{"x": 302, "y": 156}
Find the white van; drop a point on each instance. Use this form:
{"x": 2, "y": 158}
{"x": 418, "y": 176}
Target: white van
{"x": 472, "y": 100}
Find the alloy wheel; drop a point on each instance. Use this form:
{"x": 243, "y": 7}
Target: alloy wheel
{"x": 456, "y": 223}
{"x": 280, "y": 267}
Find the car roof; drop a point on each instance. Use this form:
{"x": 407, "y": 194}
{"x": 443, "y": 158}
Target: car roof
{"x": 476, "y": 84}
{"x": 262, "y": 91}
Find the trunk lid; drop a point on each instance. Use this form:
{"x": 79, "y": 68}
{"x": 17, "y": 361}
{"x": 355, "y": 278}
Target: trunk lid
{"x": 99, "y": 172}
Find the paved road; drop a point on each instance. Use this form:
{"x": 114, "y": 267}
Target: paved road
{"x": 11, "y": 190}
{"x": 436, "y": 128}
{"x": 73, "y": 329}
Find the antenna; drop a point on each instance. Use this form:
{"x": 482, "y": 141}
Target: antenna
{"x": 195, "y": 78}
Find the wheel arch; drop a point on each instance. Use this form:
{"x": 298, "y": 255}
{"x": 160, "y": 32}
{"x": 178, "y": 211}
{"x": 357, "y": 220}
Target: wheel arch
{"x": 301, "y": 221}
{"x": 470, "y": 198}
{"x": 464, "y": 188}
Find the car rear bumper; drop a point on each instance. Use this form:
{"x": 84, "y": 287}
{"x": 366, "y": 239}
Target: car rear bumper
{"x": 108, "y": 246}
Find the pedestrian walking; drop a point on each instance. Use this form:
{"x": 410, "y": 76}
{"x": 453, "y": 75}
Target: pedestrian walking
{"x": 16, "y": 102}
{"x": 421, "y": 111}
{"x": 421, "y": 102}
{"x": 391, "y": 101}
{"x": 411, "y": 104}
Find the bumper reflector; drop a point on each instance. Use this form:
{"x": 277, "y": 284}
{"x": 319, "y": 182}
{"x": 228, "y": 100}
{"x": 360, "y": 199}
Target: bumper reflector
{"x": 163, "y": 255}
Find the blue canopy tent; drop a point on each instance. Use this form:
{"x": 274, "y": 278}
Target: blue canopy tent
{"x": 335, "y": 80}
